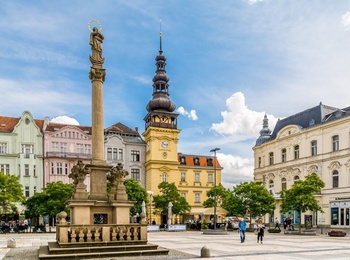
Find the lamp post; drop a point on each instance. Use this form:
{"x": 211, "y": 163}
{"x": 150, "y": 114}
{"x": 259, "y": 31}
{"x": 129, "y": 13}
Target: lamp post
{"x": 215, "y": 150}
{"x": 150, "y": 193}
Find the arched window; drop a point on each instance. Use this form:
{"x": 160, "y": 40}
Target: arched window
{"x": 335, "y": 179}
{"x": 284, "y": 183}
{"x": 296, "y": 178}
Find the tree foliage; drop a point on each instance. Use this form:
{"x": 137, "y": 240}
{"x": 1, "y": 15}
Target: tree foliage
{"x": 135, "y": 193}
{"x": 170, "y": 193}
{"x": 50, "y": 201}
{"x": 255, "y": 198}
{"x": 221, "y": 195}
{"x": 300, "y": 197}
{"x": 11, "y": 191}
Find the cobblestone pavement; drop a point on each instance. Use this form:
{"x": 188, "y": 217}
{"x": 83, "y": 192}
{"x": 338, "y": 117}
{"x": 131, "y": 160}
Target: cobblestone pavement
{"x": 188, "y": 245}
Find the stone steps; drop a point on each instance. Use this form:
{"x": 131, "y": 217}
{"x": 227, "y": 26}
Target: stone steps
{"x": 76, "y": 251}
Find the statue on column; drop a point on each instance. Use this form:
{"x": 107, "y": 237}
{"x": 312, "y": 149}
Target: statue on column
{"x": 96, "y": 40}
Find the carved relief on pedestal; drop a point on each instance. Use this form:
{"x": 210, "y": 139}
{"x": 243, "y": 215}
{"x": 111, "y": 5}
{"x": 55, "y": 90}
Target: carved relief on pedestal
{"x": 117, "y": 177}
{"x": 78, "y": 174}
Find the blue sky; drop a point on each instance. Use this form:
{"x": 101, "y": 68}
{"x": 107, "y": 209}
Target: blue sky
{"x": 229, "y": 63}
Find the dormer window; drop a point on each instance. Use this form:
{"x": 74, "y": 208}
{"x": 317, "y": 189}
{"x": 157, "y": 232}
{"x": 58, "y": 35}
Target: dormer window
{"x": 196, "y": 161}
{"x": 183, "y": 160}
{"x": 210, "y": 162}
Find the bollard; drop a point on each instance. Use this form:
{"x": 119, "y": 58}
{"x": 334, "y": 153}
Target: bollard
{"x": 205, "y": 252}
{"x": 11, "y": 243}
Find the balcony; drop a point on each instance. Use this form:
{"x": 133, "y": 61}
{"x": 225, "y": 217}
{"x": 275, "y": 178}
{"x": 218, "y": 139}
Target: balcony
{"x": 68, "y": 155}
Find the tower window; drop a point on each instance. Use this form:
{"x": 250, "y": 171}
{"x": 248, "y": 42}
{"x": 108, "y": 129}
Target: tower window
{"x": 296, "y": 152}
{"x": 271, "y": 158}
{"x": 284, "y": 155}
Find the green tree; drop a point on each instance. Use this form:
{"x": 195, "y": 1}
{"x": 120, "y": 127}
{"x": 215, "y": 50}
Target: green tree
{"x": 255, "y": 198}
{"x": 234, "y": 205}
{"x": 11, "y": 191}
{"x": 135, "y": 193}
{"x": 221, "y": 195}
{"x": 170, "y": 193}
{"x": 300, "y": 197}
{"x": 49, "y": 202}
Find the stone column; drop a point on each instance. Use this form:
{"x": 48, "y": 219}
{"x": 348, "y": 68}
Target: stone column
{"x": 98, "y": 184}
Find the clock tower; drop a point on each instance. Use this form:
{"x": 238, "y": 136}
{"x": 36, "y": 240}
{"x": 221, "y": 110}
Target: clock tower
{"x": 161, "y": 133}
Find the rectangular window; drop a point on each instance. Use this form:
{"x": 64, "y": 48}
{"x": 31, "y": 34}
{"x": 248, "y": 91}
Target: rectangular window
{"x": 183, "y": 176}
{"x": 19, "y": 170}
{"x": 26, "y": 170}
{"x": 183, "y": 194}
{"x": 335, "y": 142}
{"x": 63, "y": 149}
{"x": 271, "y": 158}
{"x": 66, "y": 169}
{"x": 109, "y": 153}
{"x": 120, "y": 156}
{"x": 197, "y": 197}
{"x": 87, "y": 149}
{"x": 259, "y": 162}
{"x": 27, "y": 149}
{"x": 34, "y": 170}
{"x": 164, "y": 177}
{"x": 135, "y": 174}
{"x": 284, "y": 155}
{"x": 196, "y": 177}
{"x": 55, "y": 146}
{"x": 27, "y": 193}
{"x": 59, "y": 168}
{"x": 115, "y": 153}
{"x": 313, "y": 148}
{"x": 52, "y": 168}
{"x": 135, "y": 156}
{"x": 3, "y": 148}
{"x": 34, "y": 189}
{"x": 80, "y": 148}
{"x": 210, "y": 177}
{"x": 5, "y": 168}
{"x": 296, "y": 152}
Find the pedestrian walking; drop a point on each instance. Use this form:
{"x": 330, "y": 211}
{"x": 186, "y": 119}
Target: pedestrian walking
{"x": 277, "y": 224}
{"x": 242, "y": 227}
{"x": 260, "y": 229}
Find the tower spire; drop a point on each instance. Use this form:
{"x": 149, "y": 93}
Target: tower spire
{"x": 160, "y": 37}
{"x": 161, "y": 106}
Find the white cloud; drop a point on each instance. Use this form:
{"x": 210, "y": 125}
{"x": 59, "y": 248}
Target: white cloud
{"x": 65, "y": 120}
{"x": 239, "y": 120}
{"x": 252, "y": 2}
{"x": 191, "y": 115}
{"x": 345, "y": 21}
{"x": 235, "y": 170}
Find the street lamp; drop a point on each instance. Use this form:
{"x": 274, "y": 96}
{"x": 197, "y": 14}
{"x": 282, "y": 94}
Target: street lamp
{"x": 150, "y": 193}
{"x": 215, "y": 150}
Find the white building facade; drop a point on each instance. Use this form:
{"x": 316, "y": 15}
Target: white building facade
{"x": 314, "y": 141}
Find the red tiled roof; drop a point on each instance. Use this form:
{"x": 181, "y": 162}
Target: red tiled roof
{"x": 202, "y": 160}
{"x": 7, "y": 124}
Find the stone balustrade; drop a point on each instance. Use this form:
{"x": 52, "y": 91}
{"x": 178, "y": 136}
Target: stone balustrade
{"x": 102, "y": 233}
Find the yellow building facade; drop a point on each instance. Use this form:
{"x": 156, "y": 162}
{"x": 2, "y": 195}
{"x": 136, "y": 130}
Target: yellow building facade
{"x": 163, "y": 162}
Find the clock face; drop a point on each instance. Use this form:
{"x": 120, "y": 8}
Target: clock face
{"x": 165, "y": 144}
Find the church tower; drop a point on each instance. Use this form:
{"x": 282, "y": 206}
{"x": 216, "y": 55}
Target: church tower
{"x": 161, "y": 133}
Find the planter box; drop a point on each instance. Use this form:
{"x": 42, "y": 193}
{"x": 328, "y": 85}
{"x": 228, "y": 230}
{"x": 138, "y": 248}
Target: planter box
{"x": 274, "y": 230}
{"x": 337, "y": 234}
